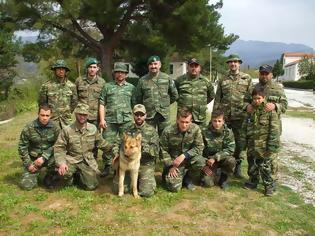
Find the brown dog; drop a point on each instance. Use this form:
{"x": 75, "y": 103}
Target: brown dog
{"x": 129, "y": 160}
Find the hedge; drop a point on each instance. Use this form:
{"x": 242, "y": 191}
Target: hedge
{"x": 301, "y": 84}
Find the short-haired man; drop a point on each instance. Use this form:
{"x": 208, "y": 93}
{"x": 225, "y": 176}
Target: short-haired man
{"x": 115, "y": 109}
{"x": 231, "y": 97}
{"x": 219, "y": 149}
{"x": 74, "y": 150}
{"x": 59, "y": 93}
{"x": 182, "y": 146}
{"x": 195, "y": 92}
{"x": 149, "y": 152}
{"x": 156, "y": 91}
{"x": 36, "y": 149}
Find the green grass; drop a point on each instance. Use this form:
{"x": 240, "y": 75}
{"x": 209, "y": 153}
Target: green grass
{"x": 72, "y": 211}
{"x": 306, "y": 113}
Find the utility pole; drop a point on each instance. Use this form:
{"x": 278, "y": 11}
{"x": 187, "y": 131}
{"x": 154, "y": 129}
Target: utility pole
{"x": 210, "y": 62}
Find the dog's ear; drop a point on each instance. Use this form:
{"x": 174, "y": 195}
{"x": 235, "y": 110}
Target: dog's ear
{"x": 138, "y": 138}
{"x": 125, "y": 136}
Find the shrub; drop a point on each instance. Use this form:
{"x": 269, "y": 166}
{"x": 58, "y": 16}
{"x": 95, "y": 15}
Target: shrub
{"x": 301, "y": 84}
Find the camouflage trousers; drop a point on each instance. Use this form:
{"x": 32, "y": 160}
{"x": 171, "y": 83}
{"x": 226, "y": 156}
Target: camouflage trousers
{"x": 146, "y": 181}
{"x": 225, "y": 166}
{"x": 264, "y": 167}
{"x": 30, "y": 180}
{"x": 111, "y": 134}
{"x": 95, "y": 149}
{"x": 159, "y": 122}
{"x": 87, "y": 175}
{"x": 191, "y": 168}
{"x": 236, "y": 126}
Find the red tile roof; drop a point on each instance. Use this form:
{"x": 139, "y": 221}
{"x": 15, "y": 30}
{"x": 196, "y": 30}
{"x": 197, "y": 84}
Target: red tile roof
{"x": 299, "y": 54}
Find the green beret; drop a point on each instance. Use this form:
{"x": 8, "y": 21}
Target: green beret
{"x": 90, "y": 61}
{"x": 152, "y": 59}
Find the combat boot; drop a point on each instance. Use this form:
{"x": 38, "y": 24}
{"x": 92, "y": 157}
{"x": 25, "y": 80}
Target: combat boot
{"x": 223, "y": 183}
{"x": 250, "y": 185}
{"x": 105, "y": 171}
{"x": 269, "y": 190}
{"x": 187, "y": 182}
{"x": 51, "y": 180}
{"x": 238, "y": 170}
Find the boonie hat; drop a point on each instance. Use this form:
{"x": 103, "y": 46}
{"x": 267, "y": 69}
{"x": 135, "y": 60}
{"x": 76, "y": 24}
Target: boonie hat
{"x": 60, "y": 64}
{"x": 234, "y": 57}
{"x": 82, "y": 108}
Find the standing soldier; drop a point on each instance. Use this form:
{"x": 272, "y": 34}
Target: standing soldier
{"x": 60, "y": 94}
{"x": 195, "y": 92}
{"x": 230, "y": 98}
{"x": 36, "y": 149}
{"x": 74, "y": 150}
{"x": 115, "y": 109}
{"x": 149, "y": 153}
{"x": 182, "y": 146}
{"x": 156, "y": 91}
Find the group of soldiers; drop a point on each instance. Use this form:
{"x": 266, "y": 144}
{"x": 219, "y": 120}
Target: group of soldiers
{"x": 245, "y": 122}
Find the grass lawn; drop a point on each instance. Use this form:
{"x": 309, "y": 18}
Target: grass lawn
{"x": 72, "y": 211}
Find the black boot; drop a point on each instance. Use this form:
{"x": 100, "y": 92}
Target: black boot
{"x": 187, "y": 182}
{"x": 223, "y": 183}
{"x": 238, "y": 170}
{"x": 51, "y": 180}
{"x": 106, "y": 171}
{"x": 250, "y": 185}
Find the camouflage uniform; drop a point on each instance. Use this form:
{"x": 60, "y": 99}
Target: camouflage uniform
{"x": 117, "y": 100}
{"x": 261, "y": 137}
{"x": 174, "y": 143}
{"x": 195, "y": 94}
{"x": 150, "y": 151}
{"x": 62, "y": 97}
{"x": 219, "y": 145}
{"x": 36, "y": 141}
{"x": 156, "y": 93}
{"x": 230, "y": 97}
{"x": 89, "y": 91}
{"x": 74, "y": 147}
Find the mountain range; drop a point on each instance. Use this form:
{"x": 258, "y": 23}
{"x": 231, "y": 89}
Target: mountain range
{"x": 255, "y": 53}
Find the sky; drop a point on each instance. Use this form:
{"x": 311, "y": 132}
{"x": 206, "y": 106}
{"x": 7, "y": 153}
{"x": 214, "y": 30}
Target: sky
{"x": 287, "y": 21}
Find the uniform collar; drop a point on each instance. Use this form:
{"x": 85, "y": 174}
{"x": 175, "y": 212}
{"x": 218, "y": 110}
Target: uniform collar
{"x": 84, "y": 128}
{"x": 37, "y": 124}
{"x": 91, "y": 81}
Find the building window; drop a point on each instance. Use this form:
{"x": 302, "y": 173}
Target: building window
{"x": 171, "y": 69}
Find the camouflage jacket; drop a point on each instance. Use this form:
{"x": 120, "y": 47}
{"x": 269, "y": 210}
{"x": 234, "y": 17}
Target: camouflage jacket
{"x": 117, "y": 100}
{"x": 150, "y": 143}
{"x": 174, "y": 143}
{"x": 231, "y": 95}
{"x": 261, "y": 132}
{"x": 36, "y": 141}
{"x": 195, "y": 94}
{"x": 89, "y": 91}
{"x": 219, "y": 144}
{"x": 156, "y": 94}
{"x": 62, "y": 97}
{"x": 74, "y": 145}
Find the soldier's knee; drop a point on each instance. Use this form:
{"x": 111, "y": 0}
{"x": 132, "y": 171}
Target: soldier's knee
{"x": 91, "y": 187}
{"x": 28, "y": 184}
{"x": 147, "y": 193}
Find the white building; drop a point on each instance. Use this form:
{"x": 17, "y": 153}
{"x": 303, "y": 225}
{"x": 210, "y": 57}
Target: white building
{"x": 177, "y": 69}
{"x": 291, "y": 65}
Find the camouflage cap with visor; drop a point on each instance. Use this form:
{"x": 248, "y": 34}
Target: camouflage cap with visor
{"x": 234, "y": 57}
{"x": 82, "y": 108}
{"x": 120, "y": 67}
{"x": 60, "y": 64}
{"x": 139, "y": 108}
{"x": 265, "y": 68}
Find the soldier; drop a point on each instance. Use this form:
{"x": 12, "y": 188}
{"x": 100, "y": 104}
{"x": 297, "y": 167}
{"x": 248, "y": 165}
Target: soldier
{"x": 36, "y": 149}
{"x": 156, "y": 91}
{"x": 195, "y": 92}
{"x": 60, "y": 94}
{"x": 219, "y": 149}
{"x": 74, "y": 149}
{"x": 149, "y": 153}
{"x": 230, "y": 97}
{"x": 89, "y": 89}
{"x": 261, "y": 137}
{"x": 182, "y": 146}
{"x": 115, "y": 109}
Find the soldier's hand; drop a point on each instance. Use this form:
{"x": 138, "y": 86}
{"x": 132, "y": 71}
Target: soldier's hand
{"x": 207, "y": 170}
{"x": 173, "y": 172}
{"x": 249, "y": 108}
{"x": 210, "y": 162}
{"x": 103, "y": 124}
{"x": 32, "y": 168}
{"x": 63, "y": 168}
{"x": 269, "y": 107}
{"x": 178, "y": 160}
{"x": 39, "y": 161}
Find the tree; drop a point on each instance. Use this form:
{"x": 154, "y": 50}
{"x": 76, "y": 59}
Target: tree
{"x": 307, "y": 68}
{"x": 105, "y": 28}
{"x": 8, "y": 51}
{"x": 278, "y": 68}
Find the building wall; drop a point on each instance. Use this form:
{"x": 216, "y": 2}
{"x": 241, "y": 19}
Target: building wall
{"x": 177, "y": 69}
{"x": 291, "y": 73}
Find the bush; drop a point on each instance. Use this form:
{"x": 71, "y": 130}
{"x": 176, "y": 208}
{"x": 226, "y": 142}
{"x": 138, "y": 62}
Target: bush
{"x": 301, "y": 84}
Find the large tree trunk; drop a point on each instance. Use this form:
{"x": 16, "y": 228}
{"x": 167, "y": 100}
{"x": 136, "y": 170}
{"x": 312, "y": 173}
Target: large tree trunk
{"x": 107, "y": 62}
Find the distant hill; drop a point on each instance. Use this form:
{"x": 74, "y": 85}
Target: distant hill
{"x": 255, "y": 53}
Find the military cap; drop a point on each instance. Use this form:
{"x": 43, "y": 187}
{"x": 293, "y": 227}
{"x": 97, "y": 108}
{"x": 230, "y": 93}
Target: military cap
{"x": 139, "y": 108}
{"x": 234, "y": 57}
{"x": 153, "y": 58}
{"x": 82, "y": 108}
{"x": 60, "y": 64}
{"x": 90, "y": 61}
{"x": 120, "y": 66}
{"x": 265, "y": 68}
{"x": 193, "y": 61}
